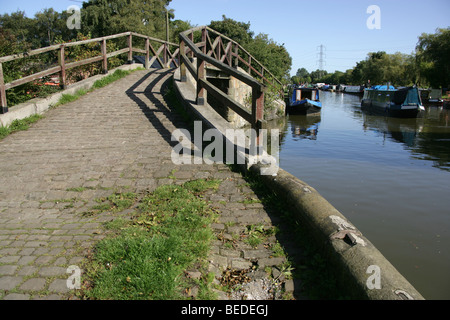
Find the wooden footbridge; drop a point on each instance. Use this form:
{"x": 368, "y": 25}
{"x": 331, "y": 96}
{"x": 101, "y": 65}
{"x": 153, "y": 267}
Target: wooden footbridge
{"x": 203, "y": 45}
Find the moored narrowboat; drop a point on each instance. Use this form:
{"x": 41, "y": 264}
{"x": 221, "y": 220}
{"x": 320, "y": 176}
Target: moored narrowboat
{"x": 389, "y": 101}
{"x": 304, "y": 101}
{"x": 431, "y": 97}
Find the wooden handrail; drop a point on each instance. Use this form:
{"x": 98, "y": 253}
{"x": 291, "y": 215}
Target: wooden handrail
{"x": 246, "y": 52}
{"x": 169, "y": 58}
{"x": 222, "y": 66}
{"x": 187, "y": 47}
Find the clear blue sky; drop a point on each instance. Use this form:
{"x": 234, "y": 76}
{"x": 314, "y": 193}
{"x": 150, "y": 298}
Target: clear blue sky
{"x": 340, "y": 26}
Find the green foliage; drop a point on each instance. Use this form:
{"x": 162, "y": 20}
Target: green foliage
{"x": 273, "y": 56}
{"x": 238, "y": 31}
{"x": 433, "y": 52}
{"x": 176, "y": 27}
{"x": 270, "y": 54}
{"x": 106, "y": 17}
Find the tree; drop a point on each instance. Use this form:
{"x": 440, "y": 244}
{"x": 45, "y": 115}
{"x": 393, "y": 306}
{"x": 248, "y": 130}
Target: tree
{"x": 433, "y": 52}
{"x": 107, "y": 17}
{"x": 271, "y": 55}
{"x": 178, "y": 26}
{"x": 21, "y": 27}
{"x": 49, "y": 24}
{"x": 238, "y": 31}
{"x": 302, "y": 73}
{"x": 317, "y": 75}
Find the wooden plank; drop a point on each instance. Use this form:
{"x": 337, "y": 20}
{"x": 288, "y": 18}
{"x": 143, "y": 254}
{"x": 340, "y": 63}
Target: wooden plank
{"x": 147, "y": 53}
{"x": 62, "y": 64}
{"x": 182, "y": 54}
{"x": 257, "y": 105}
{"x": 116, "y": 53}
{"x": 156, "y": 56}
{"x": 189, "y": 66}
{"x": 226, "y": 100}
{"x": 173, "y": 58}
{"x": 32, "y": 77}
{"x": 201, "y": 75}
{"x": 225, "y": 68}
{"x": 105, "y": 57}
{"x": 154, "y": 39}
{"x": 77, "y": 43}
{"x": 3, "y": 103}
{"x": 211, "y": 51}
{"x": 130, "y": 48}
{"x": 139, "y": 50}
{"x": 83, "y": 62}
{"x": 29, "y": 54}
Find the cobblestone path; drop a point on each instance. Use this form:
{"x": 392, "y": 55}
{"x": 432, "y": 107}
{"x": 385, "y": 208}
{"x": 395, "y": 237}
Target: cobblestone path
{"x": 114, "y": 139}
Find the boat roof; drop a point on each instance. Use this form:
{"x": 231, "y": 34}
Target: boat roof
{"x": 382, "y": 87}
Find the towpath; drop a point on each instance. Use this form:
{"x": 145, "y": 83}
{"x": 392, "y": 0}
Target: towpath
{"x": 117, "y": 138}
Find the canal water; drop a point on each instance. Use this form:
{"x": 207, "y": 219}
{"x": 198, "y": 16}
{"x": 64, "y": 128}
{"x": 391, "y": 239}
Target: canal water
{"x": 390, "y": 177}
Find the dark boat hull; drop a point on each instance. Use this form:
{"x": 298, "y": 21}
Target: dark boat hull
{"x": 305, "y": 107}
{"x": 390, "y": 110}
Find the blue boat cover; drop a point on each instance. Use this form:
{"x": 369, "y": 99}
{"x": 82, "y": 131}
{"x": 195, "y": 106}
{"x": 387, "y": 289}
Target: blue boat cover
{"x": 383, "y": 88}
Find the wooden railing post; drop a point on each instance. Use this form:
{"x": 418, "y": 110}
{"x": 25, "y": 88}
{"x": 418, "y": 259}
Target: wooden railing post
{"x": 105, "y": 57}
{"x": 250, "y": 65}
{"x": 218, "y": 51}
{"x": 257, "y": 111}
{"x": 165, "y": 55}
{"x": 236, "y": 62}
{"x": 204, "y": 38}
{"x": 201, "y": 75}
{"x": 130, "y": 48}
{"x": 62, "y": 64}
{"x": 183, "y": 75}
{"x": 191, "y": 37}
{"x": 3, "y": 104}
{"x": 147, "y": 53}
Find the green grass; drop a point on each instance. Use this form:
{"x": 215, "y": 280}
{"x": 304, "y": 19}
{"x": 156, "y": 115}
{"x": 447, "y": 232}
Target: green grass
{"x": 66, "y": 97}
{"x": 118, "y": 74}
{"x": 19, "y": 125}
{"x": 145, "y": 258}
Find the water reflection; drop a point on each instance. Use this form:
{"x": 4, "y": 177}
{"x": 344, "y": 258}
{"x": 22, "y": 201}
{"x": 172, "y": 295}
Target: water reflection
{"x": 427, "y": 138}
{"x": 304, "y": 127}
{"x": 382, "y": 174}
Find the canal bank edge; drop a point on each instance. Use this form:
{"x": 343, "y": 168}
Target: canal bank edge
{"x": 360, "y": 268}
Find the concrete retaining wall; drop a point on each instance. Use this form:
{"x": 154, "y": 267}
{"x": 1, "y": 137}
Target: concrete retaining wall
{"x": 40, "y": 105}
{"x": 360, "y": 268}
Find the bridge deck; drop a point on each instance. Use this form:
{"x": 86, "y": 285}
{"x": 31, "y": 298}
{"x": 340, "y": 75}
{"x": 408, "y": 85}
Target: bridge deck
{"x": 116, "y": 138}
